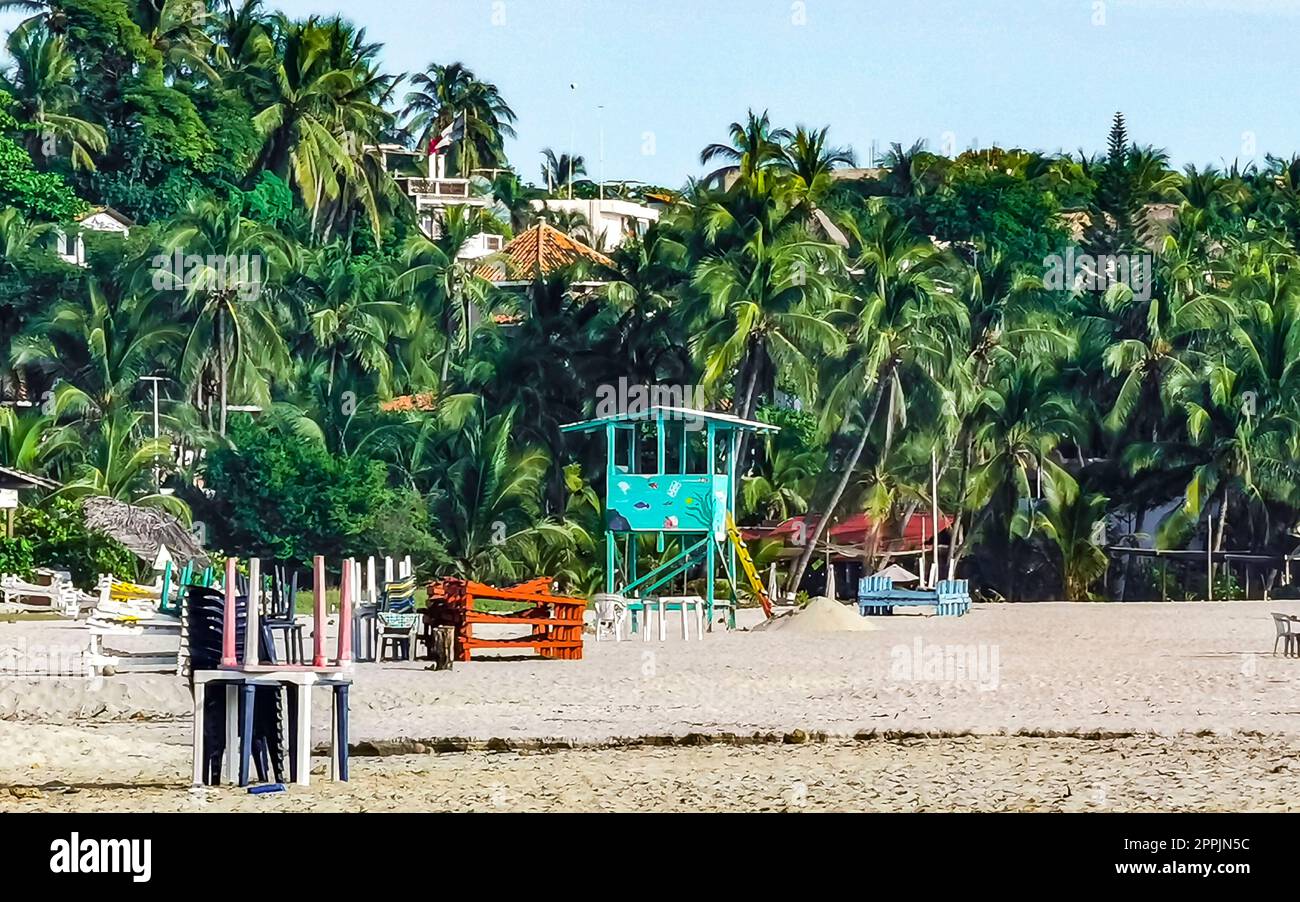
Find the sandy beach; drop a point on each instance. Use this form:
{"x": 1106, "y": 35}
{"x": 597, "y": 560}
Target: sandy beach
{"x": 1013, "y": 707}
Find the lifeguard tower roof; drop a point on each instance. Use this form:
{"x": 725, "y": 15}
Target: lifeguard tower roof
{"x": 656, "y": 412}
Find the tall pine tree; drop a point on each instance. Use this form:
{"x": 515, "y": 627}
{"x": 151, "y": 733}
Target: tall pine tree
{"x": 1116, "y": 210}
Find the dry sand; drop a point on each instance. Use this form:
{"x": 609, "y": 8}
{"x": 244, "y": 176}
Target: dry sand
{"x": 1159, "y": 672}
{"x": 1186, "y": 773}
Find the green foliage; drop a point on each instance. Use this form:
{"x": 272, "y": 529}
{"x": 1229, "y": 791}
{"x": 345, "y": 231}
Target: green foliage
{"x": 403, "y": 526}
{"x": 39, "y": 195}
{"x": 1001, "y": 212}
{"x": 269, "y": 202}
{"x": 56, "y": 536}
{"x": 274, "y": 496}
{"x": 16, "y": 556}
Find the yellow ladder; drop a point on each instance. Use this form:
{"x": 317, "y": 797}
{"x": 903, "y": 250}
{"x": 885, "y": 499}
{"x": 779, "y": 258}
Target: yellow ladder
{"x": 747, "y": 564}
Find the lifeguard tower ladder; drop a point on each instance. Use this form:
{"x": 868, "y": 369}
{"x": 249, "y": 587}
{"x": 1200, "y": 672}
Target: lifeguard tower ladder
{"x": 685, "y": 493}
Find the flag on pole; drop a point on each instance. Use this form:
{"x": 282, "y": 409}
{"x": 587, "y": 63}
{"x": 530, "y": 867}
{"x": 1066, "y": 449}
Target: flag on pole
{"x": 454, "y": 131}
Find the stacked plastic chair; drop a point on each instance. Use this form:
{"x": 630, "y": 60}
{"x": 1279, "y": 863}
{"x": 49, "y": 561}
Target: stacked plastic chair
{"x": 204, "y": 610}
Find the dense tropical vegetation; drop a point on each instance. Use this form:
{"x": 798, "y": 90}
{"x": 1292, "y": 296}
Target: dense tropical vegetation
{"x": 892, "y": 322}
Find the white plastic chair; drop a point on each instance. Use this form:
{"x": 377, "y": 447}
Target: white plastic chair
{"x": 611, "y": 613}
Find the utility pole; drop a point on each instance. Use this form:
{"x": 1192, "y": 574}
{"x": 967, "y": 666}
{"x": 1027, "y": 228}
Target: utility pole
{"x": 573, "y": 89}
{"x": 157, "y": 474}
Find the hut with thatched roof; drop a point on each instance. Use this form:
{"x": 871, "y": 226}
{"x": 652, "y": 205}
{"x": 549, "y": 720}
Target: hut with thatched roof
{"x": 143, "y": 530}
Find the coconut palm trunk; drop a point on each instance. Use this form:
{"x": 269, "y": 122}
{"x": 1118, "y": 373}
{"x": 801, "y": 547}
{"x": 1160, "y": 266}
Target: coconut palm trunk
{"x": 805, "y": 557}
{"x": 746, "y": 408}
{"x": 222, "y": 374}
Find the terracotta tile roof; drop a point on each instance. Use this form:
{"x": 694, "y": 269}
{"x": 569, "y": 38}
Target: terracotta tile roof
{"x": 423, "y": 401}
{"x": 542, "y": 249}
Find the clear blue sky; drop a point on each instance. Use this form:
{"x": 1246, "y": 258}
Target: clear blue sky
{"x": 1191, "y": 75}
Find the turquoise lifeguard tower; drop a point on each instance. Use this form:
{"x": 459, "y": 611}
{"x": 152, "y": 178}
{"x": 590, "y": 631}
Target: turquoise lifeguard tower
{"x": 685, "y": 495}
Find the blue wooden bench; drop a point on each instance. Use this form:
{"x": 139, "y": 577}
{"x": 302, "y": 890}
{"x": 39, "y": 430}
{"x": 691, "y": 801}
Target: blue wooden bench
{"x": 877, "y": 595}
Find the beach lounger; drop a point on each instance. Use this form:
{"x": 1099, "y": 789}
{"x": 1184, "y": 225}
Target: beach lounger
{"x": 131, "y": 610}
{"x": 48, "y": 590}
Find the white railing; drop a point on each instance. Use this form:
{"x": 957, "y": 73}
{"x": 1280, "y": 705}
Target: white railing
{"x": 438, "y": 190}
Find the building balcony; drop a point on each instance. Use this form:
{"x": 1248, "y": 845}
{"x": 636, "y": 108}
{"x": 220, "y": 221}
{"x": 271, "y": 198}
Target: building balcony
{"x": 436, "y": 193}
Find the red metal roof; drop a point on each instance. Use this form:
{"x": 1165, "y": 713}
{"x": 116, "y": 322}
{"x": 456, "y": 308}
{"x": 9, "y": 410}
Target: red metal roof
{"x": 853, "y": 530}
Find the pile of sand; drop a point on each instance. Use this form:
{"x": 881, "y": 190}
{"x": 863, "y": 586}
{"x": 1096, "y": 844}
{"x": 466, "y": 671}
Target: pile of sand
{"x": 821, "y": 615}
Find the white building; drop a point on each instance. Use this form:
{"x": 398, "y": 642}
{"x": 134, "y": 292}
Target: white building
{"x": 433, "y": 193}
{"x": 70, "y": 246}
{"x": 612, "y": 221}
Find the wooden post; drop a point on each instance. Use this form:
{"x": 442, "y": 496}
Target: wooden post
{"x": 228, "y": 656}
{"x": 251, "y": 628}
{"x": 346, "y": 587}
{"x": 371, "y": 590}
{"x": 388, "y": 570}
{"x": 934, "y": 512}
{"x": 318, "y": 613}
{"x": 442, "y": 647}
{"x": 924, "y": 580}
{"x": 1209, "y": 557}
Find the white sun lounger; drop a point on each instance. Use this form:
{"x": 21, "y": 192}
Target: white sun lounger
{"x": 59, "y": 594}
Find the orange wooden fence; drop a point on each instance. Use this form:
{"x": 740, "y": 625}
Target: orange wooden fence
{"x": 555, "y": 620}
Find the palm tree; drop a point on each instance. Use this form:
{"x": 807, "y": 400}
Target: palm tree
{"x": 1230, "y": 457}
{"x": 351, "y": 313}
{"x": 33, "y": 441}
{"x": 448, "y": 287}
{"x": 98, "y": 346}
{"x": 573, "y": 223}
{"x": 489, "y": 498}
{"x": 42, "y": 81}
{"x": 647, "y": 342}
{"x": 325, "y": 107}
{"x": 177, "y": 29}
{"x": 810, "y": 161}
{"x": 226, "y": 294}
{"x": 23, "y": 245}
{"x": 47, "y": 13}
{"x": 441, "y": 93}
{"x": 1024, "y": 416}
{"x": 1069, "y": 520}
{"x": 120, "y": 462}
{"x": 1153, "y": 344}
{"x": 784, "y": 493}
{"x": 909, "y": 171}
{"x": 899, "y": 317}
{"x": 512, "y": 202}
{"x": 243, "y": 47}
{"x": 756, "y": 312}
{"x": 561, "y": 171}
{"x": 754, "y": 145}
